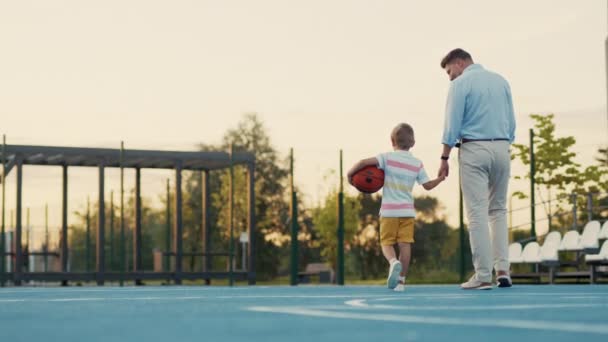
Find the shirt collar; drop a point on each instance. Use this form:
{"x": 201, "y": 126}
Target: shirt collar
{"x": 473, "y": 66}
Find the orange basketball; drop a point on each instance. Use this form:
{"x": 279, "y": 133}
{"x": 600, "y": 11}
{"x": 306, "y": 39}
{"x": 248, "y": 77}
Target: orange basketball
{"x": 369, "y": 179}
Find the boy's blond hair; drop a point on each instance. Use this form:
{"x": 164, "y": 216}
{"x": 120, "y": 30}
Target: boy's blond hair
{"x": 402, "y": 136}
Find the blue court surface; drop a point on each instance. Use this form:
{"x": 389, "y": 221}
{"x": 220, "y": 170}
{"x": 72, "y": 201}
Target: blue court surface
{"x": 305, "y": 313}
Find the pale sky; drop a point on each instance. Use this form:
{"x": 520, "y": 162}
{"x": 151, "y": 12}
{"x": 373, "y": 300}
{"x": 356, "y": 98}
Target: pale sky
{"x": 323, "y": 75}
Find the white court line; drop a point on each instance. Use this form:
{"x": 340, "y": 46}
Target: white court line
{"x": 120, "y": 299}
{"x": 90, "y": 299}
{"x": 361, "y": 303}
{"x": 477, "y": 322}
{"x": 52, "y": 290}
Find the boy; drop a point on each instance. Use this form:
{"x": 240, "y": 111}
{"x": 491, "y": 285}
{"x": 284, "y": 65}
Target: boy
{"x": 401, "y": 171}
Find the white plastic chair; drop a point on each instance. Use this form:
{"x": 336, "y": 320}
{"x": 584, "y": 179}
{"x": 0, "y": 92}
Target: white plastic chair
{"x": 603, "y": 235}
{"x": 589, "y": 238}
{"x": 548, "y": 251}
{"x": 515, "y": 253}
{"x": 531, "y": 253}
{"x": 553, "y": 238}
{"x": 570, "y": 242}
{"x": 601, "y": 256}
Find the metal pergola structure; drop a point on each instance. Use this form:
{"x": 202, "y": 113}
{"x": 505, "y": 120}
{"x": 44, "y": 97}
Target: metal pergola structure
{"x": 16, "y": 156}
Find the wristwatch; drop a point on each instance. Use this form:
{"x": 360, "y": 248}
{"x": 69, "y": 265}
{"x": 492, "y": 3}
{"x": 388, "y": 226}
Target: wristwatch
{"x": 445, "y": 157}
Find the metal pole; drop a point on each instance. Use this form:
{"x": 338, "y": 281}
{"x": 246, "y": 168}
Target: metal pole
{"x": 28, "y": 247}
{"x": 137, "y": 262}
{"x": 550, "y": 214}
{"x": 64, "y": 224}
{"x": 46, "y": 237}
{"x": 251, "y": 224}
{"x": 88, "y": 238}
{"x": 123, "y": 253}
{"x": 294, "y": 226}
{"x": 177, "y": 236}
{"x": 532, "y": 182}
{"x": 589, "y": 206}
{"x": 340, "y": 279}
{"x": 100, "y": 264}
{"x": 28, "y": 229}
{"x": 18, "y": 268}
{"x": 574, "y": 218}
{"x": 168, "y": 228}
{"x": 111, "y": 230}
{"x": 206, "y": 233}
{"x": 231, "y": 216}
{"x": 3, "y": 231}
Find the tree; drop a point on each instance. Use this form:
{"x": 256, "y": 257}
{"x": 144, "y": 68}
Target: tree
{"x": 271, "y": 205}
{"x": 602, "y": 157}
{"x": 366, "y": 243}
{"x": 153, "y": 236}
{"x": 555, "y": 167}
{"x": 326, "y": 224}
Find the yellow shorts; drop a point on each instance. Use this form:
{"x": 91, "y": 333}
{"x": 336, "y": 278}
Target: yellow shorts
{"x": 396, "y": 229}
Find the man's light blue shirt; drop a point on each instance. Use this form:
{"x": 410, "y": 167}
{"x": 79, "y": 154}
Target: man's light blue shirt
{"x": 479, "y": 106}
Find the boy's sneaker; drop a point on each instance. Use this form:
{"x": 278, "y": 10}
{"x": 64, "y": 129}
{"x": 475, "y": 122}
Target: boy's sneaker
{"x": 503, "y": 279}
{"x": 400, "y": 287}
{"x": 474, "y": 284}
{"x": 393, "y": 275}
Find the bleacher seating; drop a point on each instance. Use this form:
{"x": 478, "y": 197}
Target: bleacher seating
{"x": 566, "y": 257}
{"x": 603, "y": 234}
{"x": 531, "y": 253}
{"x": 596, "y": 260}
{"x": 548, "y": 251}
{"x": 570, "y": 242}
{"x": 515, "y": 253}
{"x": 589, "y": 241}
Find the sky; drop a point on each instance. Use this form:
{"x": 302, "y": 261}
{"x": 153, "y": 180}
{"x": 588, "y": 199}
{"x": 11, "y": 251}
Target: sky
{"x": 323, "y": 75}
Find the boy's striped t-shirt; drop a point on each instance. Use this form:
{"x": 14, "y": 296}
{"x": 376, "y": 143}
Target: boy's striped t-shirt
{"x": 401, "y": 171}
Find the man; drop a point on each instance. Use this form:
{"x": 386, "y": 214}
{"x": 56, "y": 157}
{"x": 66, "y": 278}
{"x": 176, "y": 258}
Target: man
{"x": 479, "y": 115}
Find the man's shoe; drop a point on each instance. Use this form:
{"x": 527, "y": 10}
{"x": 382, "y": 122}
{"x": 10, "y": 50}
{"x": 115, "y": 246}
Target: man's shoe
{"x": 474, "y": 284}
{"x": 393, "y": 275}
{"x": 503, "y": 279}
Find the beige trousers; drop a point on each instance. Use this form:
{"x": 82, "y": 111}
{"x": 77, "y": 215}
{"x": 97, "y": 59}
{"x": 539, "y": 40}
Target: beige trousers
{"x": 485, "y": 168}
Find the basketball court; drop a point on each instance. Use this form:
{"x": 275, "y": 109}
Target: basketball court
{"x": 305, "y": 313}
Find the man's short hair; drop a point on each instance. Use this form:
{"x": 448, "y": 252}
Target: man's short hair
{"x": 453, "y": 55}
{"x": 403, "y": 136}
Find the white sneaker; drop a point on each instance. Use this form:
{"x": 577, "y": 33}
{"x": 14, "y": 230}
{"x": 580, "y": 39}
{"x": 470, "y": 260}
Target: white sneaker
{"x": 474, "y": 284}
{"x": 393, "y": 275}
{"x": 400, "y": 287}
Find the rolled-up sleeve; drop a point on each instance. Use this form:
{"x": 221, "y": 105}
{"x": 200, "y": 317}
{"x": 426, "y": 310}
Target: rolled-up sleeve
{"x": 454, "y": 112}
{"x": 511, "y": 113}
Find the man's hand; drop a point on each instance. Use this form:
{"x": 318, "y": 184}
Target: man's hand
{"x": 444, "y": 169}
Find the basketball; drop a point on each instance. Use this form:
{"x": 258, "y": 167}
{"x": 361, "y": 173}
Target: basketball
{"x": 369, "y": 179}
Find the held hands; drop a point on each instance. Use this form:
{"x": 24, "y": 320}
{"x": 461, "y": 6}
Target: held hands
{"x": 444, "y": 170}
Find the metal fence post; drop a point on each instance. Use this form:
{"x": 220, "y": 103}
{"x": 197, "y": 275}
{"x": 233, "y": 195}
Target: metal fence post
{"x": 574, "y": 219}
{"x": 589, "y": 206}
